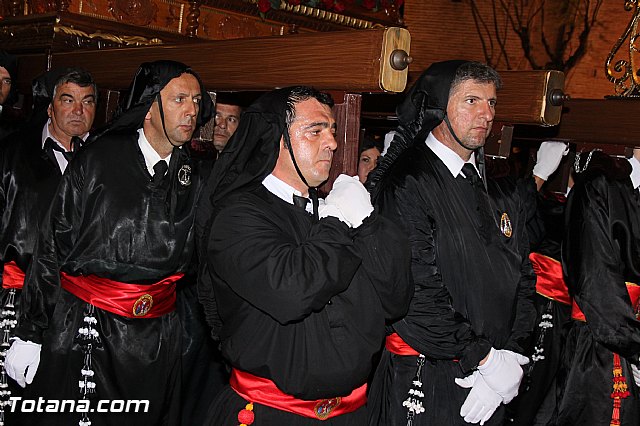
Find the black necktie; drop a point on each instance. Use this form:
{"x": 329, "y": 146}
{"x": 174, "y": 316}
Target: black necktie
{"x": 471, "y": 174}
{"x": 159, "y": 169}
{"x": 299, "y": 201}
{"x": 487, "y": 222}
{"x": 50, "y": 145}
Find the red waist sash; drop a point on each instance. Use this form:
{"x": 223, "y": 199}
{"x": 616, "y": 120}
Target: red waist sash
{"x": 263, "y": 391}
{"x": 12, "y": 276}
{"x": 396, "y": 345}
{"x": 634, "y": 295}
{"x": 549, "y": 282}
{"x": 127, "y": 300}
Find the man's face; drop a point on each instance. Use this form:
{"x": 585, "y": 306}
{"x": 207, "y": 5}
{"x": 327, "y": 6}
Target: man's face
{"x": 227, "y": 119}
{"x": 180, "y": 103}
{"x": 312, "y": 135}
{"x": 5, "y": 84}
{"x": 471, "y": 110}
{"x": 72, "y": 111}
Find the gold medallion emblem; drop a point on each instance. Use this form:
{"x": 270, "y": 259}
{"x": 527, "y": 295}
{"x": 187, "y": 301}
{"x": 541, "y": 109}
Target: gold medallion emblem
{"x": 143, "y": 305}
{"x": 324, "y": 407}
{"x": 505, "y": 225}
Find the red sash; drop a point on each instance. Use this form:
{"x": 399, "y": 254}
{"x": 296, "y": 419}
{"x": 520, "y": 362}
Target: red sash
{"x": 634, "y": 295}
{"x": 12, "y": 276}
{"x": 549, "y": 282}
{"x": 263, "y": 391}
{"x": 127, "y": 300}
{"x": 396, "y": 345}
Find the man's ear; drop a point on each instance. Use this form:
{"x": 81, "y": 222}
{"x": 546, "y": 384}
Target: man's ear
{"x": 49, "y": 110}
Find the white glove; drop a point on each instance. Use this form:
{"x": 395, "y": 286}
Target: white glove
{"x": 549, "y": 156}
{"x": 636, "y": 374}
{"x": 351, "y": 198}
{"x": 22, "y": 360}
{"x": 503, "y": 372}
{"x": 325, "y": 210}
{"x": 481, "y": 402}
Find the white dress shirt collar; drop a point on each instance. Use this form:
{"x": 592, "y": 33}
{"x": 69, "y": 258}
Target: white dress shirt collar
{"x": 151, "y": 157}
{"x": 450, "y": 159}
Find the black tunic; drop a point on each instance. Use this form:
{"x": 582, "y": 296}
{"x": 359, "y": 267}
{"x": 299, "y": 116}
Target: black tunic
{"x": 601, "y": 253}
{"x": 472, "y": 292}
{"x": 108, "y": 219}
{"x": 303, "y": 302}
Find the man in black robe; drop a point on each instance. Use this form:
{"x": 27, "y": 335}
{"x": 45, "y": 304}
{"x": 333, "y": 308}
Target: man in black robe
{"x": 31, "y": 172}
{"x": 99, "y": 296}
{"x": 297, "y": 291}
{"x": 601, "y": 263}
{"x": 472, "y": 308}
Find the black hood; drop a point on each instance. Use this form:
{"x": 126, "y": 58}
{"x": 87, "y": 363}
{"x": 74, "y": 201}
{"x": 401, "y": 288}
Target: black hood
{"x": 147, "y": 83}
{"x": 422, "y": 110}
{"x": 252, "y": 152}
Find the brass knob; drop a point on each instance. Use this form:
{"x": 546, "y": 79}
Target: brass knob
{"x": 557, "y": 97}
{"x": 400, "y": 59}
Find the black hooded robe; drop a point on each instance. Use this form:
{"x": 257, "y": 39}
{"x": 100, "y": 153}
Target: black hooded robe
{"x": 470, "y": 293}
{"x": 601, "y": 252}
{"x": 115, "y": 226}
{"x": 110, "y": 219}
{"x": 299, "y": 301}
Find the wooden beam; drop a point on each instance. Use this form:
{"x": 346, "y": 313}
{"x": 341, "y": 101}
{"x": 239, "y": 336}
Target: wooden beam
{"x": 610, "y": 124}
{"x": 351, "y": 61}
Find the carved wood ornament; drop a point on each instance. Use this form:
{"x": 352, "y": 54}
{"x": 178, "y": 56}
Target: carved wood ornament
{"x": 134, "y": 12}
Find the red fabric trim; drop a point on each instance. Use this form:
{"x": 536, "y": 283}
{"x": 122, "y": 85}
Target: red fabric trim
{"x": 12, "y": 276}
{"x": 263, "y": 391}
{"x": 549, "y": 281}
{"x": 127, "y": 300}
{"x": 396, "y": 345}
{"x": 634, "y": 295}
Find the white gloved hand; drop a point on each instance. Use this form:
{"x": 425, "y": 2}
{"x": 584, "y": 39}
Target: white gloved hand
{"x": 351, "y": 198}
{"x": 549, "y": 156}
{"x": 636, "y": 374}
{"x": 481, "y": 402}
{"x": 502, "y": 372}
{"x": 326, "y": 210}
{"x": 22, "y": 360}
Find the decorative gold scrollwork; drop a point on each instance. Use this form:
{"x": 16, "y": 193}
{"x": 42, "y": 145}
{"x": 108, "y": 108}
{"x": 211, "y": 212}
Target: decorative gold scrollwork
{"x": 625, "y": 73}
{"x": 121, "y": 40}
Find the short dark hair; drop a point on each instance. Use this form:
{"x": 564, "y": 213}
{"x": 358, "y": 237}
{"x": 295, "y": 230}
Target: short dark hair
{"x": 302, "y": 93}
{"x": 369, "y": 142}
{"x": 476, "y": 71}
{"x": 77, "y": 76}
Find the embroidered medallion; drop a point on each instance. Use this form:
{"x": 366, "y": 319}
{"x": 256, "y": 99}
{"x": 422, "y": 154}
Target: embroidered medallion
{"x": 184, "y": 175}
{"x": 505, "y": 225}
{"x": 143, "y": 305}
{"x": 324, "y": 407}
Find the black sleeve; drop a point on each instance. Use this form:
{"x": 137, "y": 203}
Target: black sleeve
{"x": 525, "y": 312}
{"x": 263, "y": 264}
{"x": 386, "y": 259}
{"x": 55, "y": 241}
